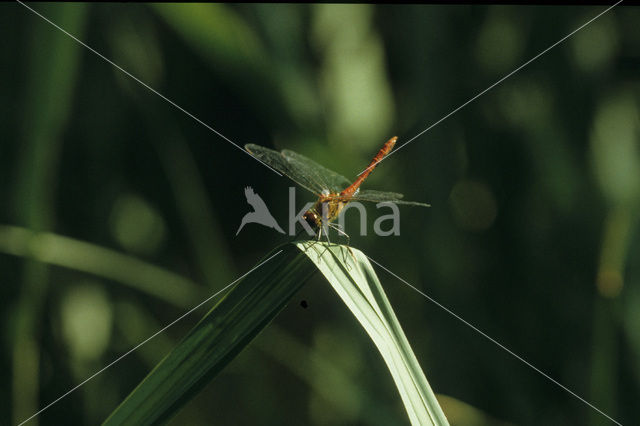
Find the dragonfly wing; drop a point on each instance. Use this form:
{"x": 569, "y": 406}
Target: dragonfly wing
{"x": 329, "y": 179}
{"x": 295, "y": 172}
{"x": 380, "y": 196}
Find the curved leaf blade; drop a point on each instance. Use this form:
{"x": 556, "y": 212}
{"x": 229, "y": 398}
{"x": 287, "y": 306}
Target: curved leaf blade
{"x": 353, "y": 278}
{"x": 216, "y": 340}
{"x": 230, "y": 325}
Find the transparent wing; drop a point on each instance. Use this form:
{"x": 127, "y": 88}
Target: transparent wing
{"x": 316, "y": 178}
{"x": 380, "y": 196}
{"x": 296, "y": 171}
{"x": 329, "y": 179}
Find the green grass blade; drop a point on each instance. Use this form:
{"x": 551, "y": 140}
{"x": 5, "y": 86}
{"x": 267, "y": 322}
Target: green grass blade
{"x": 218, "y": 34}
{"x": 46, "y": 104}
{"x": 353, "y": 278}
{"x": 251, "y": 305}
{"x": 216, "y": 339}
{"x": 55, "y": 249}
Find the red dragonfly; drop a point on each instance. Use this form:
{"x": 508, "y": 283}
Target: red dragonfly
{"x": 333, "y": 190}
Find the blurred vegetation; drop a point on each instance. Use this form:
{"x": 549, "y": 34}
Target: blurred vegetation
{"x": 117, "y": 211}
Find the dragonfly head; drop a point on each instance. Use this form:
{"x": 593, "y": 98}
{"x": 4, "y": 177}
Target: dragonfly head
{"x": 312, "y": 218}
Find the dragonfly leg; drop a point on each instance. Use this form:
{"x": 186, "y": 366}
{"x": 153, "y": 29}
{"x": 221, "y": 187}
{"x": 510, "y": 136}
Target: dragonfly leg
{"x": 320, "y": 237}
{"x": 341, "y": 232}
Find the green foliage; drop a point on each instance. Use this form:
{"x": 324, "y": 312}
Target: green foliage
{"x": 230, "y": 325}
{"x": 354, "y": 280}
{"x": 118, "y": 212}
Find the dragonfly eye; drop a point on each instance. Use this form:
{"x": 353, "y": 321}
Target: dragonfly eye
{"x": 311, "y": 218}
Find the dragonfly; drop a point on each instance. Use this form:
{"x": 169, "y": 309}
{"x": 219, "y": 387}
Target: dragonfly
{"x": 333, "y": 190}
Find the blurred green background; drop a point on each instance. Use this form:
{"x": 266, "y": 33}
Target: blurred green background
{"x": 118, "y": 212}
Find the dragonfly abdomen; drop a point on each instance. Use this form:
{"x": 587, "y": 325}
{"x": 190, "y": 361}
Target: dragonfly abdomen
{"x": 386, "y": 149}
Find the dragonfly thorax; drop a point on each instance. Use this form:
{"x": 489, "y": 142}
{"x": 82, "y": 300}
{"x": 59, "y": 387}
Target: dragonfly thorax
{"x": 327, "y": 208}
